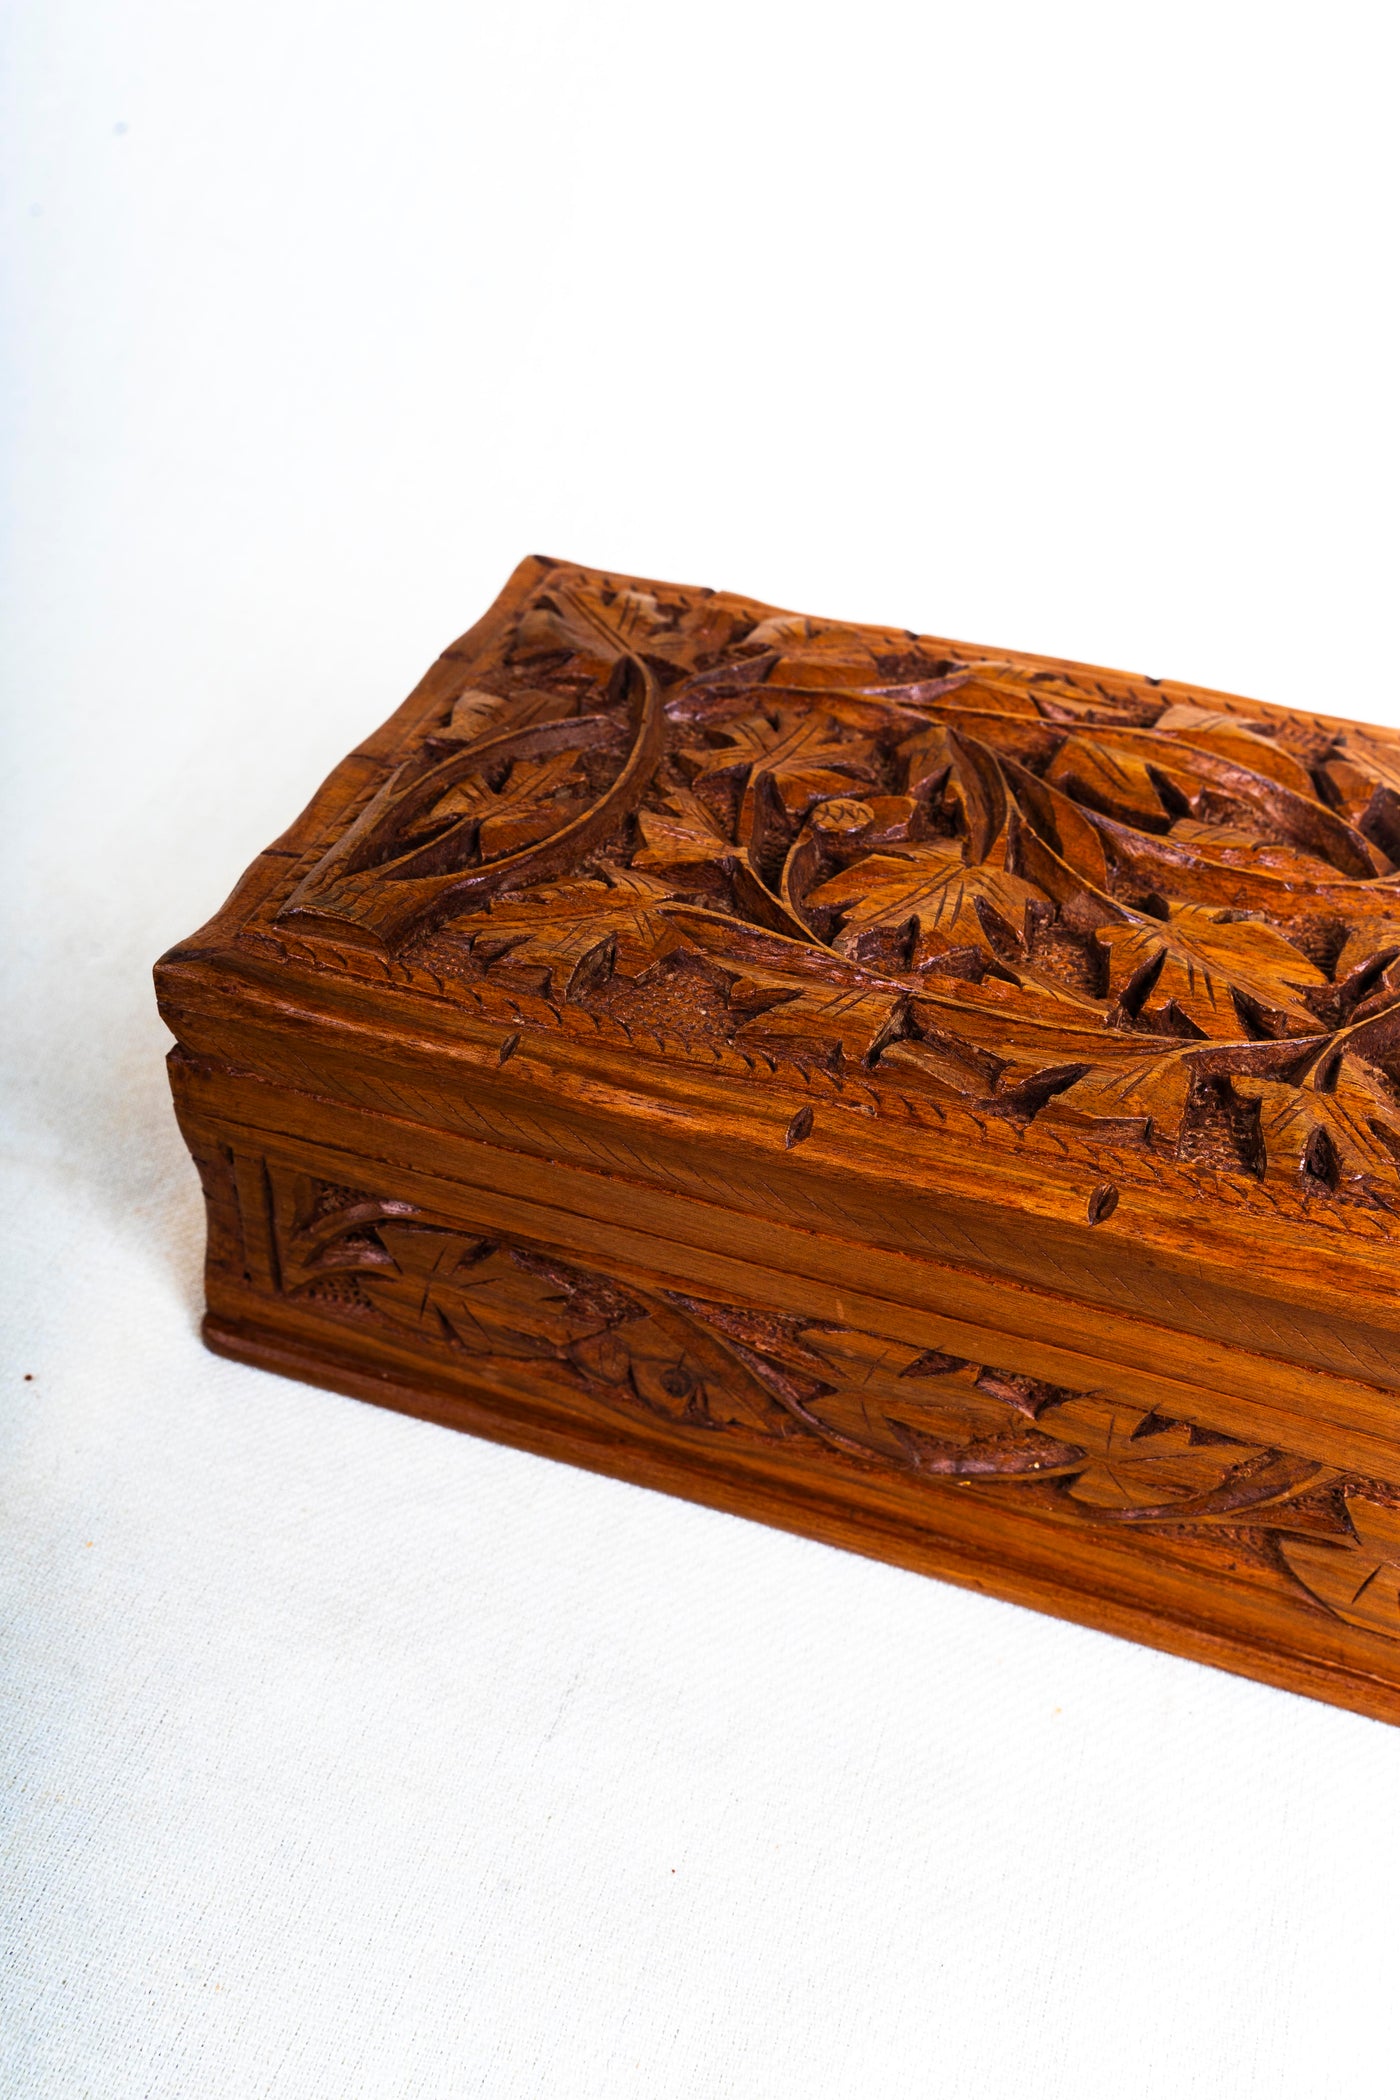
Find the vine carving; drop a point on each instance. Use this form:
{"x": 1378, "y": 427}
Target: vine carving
{"x": 715, "y": 1369}
{"x": 1130, "y": 915}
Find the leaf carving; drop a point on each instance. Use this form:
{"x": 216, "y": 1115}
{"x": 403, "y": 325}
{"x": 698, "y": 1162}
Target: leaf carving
{"x": 1211, "y": 970}
{"x": 1123, "y": 771}
{"x": 816, "y": 654}
{"x": 953, "y": 906}
{"x": 806, "y": 755}
{"x": 1132, "y": 1466}
{"x": 570, "y": 939}
{"x": 1126, "y": 785}
{"x": 510, "y": 1305}
{"x": 1139, "y": 1102}
{"x": 1245, "y": 740}
{"x": 474, "y": 714}
{"x": 686, "y": 834}
{"x": 1359, "y": 1581}
{"x": 816, "y": 1024}
{"x": 1328, "y": 1137}
{"x": 705, "y": 1368}
{"x": 536, "y": 797}
{"x": 596, "y": 621}
{"x": 379, "y": 903}
{"x": 1164, "y": 1093}
{"x": 885, "y": 1397}
{"x": 1361, "y": 774}
{"x": 1060, "y": 823}
{"x": 1059, "y": 896}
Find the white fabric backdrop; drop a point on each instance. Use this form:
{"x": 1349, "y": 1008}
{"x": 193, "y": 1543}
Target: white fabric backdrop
{"x": 347, "y": 1757}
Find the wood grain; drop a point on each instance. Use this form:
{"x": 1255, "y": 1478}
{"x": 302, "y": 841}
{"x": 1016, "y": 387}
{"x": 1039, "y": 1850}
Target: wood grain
{"x": 942, "y": 1100}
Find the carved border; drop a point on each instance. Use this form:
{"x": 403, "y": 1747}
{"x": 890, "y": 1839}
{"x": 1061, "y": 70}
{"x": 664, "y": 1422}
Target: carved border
{"x": 737, "y": 1376}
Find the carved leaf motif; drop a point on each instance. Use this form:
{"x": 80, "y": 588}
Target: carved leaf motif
{"x": 1325, "y": 1137}
{"x": 880, "y": 1393}
{"x": 593, "y": 622}
{"x": 1215, "y": 865}
{"x": 678, "y": 1372}
{"x": 1102, "y": 700}
{"x": 1362, "y": 761}
{"x": 1201, "y": 964}
{"x": 815, "y": 653}
{"x": 502, "y": 1303}
{"x": 1129, "y": 1468}
{"x": 710, "y": 1368}
{"x": 797, "y": 631}
{"x": 474, "y": 713}
{"x": 806, "y": 754}
{"x": 1360, "y": 1582}
{"x": 1059, "y": 823}
{"x": 954, "y": 905}
{"x": 966, "y": 777}
{"x": 818, "y": 1024}
{"x": 1244, "y": 739}
{"x": 1193, "y": 782}
{"x": 592, "y": 926}
{"x": 491, "y": 1304}
{"x": 791, "y": 737}
{"x": 1219, "y": 845}
{"x": 984, "y": 692}
{"x": 1122, "y": 784}
{"x": 536, "y": 797}
{"x": 988, "y": 874}
{"x": 1029, "y": 739}
{"x": 1142, "y": 1100}
{"x": 686, "y": 834}
{"x": 1376, "y": 940}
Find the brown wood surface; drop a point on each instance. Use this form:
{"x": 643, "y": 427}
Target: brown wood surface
{"x": 941, "y": 1100}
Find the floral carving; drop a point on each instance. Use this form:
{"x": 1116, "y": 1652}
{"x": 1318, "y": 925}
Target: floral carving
{"x": 703, "y": 1366}
{"x": 1079, "y": 902}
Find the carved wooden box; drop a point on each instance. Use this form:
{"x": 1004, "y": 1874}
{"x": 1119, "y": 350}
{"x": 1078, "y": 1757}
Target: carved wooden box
{"x": 936, "y": 1099}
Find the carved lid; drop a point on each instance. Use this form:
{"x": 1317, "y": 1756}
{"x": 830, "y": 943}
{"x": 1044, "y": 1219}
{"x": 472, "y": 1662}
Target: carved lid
{"x": 986, "y": 896}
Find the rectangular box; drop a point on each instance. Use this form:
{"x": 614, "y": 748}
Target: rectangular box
{"x": 939, "y": 1100}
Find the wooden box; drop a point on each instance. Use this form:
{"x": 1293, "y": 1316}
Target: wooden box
{"x": 940, "y": 1100}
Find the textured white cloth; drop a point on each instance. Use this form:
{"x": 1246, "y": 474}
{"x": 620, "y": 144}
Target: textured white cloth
{"x": 345, "y": 1758}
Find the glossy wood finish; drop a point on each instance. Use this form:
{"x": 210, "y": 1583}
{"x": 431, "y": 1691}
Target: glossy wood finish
{"x": 940, "y": 1100}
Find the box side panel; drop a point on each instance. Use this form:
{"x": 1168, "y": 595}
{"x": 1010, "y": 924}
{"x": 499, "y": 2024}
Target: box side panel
{"x": 918, "y": 1437}
{"x": 1311, "y": 1350}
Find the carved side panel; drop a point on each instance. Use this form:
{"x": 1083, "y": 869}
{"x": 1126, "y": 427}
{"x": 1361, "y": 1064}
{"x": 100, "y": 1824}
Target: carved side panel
{"x": 222, "y": 1210}
{"x": 749, "y": 1378}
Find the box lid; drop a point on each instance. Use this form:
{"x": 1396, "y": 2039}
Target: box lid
{"x": 1085, "y": 982}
